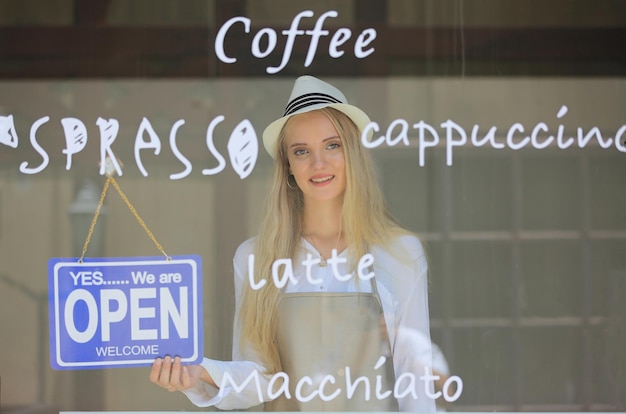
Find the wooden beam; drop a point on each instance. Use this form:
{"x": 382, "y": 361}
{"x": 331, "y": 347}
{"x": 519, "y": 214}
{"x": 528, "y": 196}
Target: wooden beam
{"x": 180, "y": 52}
{"x": 90, "y": 12}
{"x": 368, "y": 12}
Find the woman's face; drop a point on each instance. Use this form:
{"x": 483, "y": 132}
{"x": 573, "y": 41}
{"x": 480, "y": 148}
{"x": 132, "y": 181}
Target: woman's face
{"x": 315, "y": 154}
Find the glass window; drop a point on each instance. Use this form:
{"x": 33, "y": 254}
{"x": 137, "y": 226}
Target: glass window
{"x": 496, "y": 142}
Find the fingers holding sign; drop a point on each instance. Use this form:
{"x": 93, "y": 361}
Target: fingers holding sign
{"x": 169, "y": 373}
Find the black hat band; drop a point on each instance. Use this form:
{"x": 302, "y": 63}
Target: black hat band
{"x": 307, "y": 100}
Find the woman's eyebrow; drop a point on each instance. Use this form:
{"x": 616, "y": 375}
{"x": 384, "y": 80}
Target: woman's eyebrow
{"x": 295, "y": 144}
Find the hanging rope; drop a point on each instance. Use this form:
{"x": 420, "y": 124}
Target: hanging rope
{"x": 111, "y": 180}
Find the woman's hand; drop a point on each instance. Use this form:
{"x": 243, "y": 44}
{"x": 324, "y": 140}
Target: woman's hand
{"x": 172, "y": 375}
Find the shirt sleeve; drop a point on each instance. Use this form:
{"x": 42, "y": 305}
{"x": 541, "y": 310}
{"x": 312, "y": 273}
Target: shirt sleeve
{"x": 412, "y": 349}
{"x": 242, "y": 382}
{"x": 243, "y": 385}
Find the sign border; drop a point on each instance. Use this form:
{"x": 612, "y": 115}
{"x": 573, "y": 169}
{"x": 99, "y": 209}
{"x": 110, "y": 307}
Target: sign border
{"x": 195, "y": 261}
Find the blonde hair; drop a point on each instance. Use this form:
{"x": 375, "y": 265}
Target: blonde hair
{"x": 364, "y": 222}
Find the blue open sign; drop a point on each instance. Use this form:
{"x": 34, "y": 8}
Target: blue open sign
{"x": 120, "y": 312}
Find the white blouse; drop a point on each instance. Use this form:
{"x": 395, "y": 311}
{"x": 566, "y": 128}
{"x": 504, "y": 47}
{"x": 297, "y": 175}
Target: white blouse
{"x": 400, "y": 272}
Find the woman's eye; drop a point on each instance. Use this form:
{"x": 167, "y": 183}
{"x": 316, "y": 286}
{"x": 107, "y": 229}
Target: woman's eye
{"x": 334, "y": 145}
{"x": 299, "y": 151}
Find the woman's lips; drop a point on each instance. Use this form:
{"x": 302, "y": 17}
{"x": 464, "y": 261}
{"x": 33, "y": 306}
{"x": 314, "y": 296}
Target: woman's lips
{"x": 321, "y": 179}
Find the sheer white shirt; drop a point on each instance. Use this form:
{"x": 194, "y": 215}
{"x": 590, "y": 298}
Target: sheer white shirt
{"x": 401, "y": 275}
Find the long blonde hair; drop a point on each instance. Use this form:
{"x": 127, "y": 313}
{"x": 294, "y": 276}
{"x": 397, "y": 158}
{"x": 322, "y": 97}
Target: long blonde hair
{"x": 364, "y": 222}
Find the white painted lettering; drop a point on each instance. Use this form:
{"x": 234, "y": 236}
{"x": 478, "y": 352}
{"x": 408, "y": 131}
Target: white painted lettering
{"x": 229, "y": 383}
{"x": 254, "y": 285}
{"x": 351, "y": 386}
{"x": 75, "y": 138}
{"x": 221, "y": 162}
{"x": 409, "y": 378}
{"x": 33, "y": 141}
{"x": 322, "y": 386}
{"x": 618, "y": 139}
{"x": 583, "y": 139}
{"x": 177, "y": 153}
{"x": 221, "y": 35}
{"x": 153, "y": 142}
{"x": 243, "y": 148}
{"x": 422, "y": 126}
{"x": 334, "y": 261}
{"x": 449, "y": 125}
{"x": 490, "y": 137}
{"x": 8, "y": 135}
{"x": 541, "y": 126}
{"x": 287, "y": 275}
{"x": 305, "y": 380}
{"x": 457, "y": 385}
{"x": 380, "y": 394}
{"x": 341, "y": 36}
{"x": 403, "y": 135}
{"x": 362, "y": 46}
{"x": 363, "y": 40}
{"x": 291, "y": 38}
{"x": 429, "y": 380}
{"x": 509, "y": 137}
{"x": 315, "y": 34}
{"x": 309, "y": 262}
{"x": 365, "y": 263}
{"x": 305, "y": 389}
{"x": 282, "y": 389}
{"x": 559, "y": 138}
{"x": 272, "y": 40}
{"x": 108, "y": 134}
{"x": 370, "y": 129}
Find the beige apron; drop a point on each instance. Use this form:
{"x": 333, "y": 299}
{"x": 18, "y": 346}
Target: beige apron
{"x": 338, "y": 334}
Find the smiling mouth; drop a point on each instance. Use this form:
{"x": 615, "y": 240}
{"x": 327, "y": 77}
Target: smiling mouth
{"x": 323, "y": 179}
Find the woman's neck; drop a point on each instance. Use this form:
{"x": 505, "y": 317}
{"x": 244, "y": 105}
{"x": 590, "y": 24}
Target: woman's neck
{"x": 321, "y": 227}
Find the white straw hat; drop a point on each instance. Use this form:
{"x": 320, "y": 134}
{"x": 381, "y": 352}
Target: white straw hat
{"x": 308, "y": 94}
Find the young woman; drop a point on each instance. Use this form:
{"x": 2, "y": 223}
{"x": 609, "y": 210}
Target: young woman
{"x": 335, "y": 316}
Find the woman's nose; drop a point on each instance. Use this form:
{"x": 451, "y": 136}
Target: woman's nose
{"x": 318, "y": 158}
